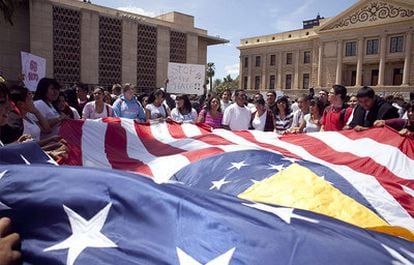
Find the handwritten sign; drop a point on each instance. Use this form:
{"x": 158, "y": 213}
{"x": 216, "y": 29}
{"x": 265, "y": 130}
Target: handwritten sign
{"x": 33, "y": 69}
{"x": 186, "y": 78}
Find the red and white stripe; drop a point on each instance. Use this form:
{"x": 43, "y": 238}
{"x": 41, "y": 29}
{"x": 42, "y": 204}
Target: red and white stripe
{"x": 378, "y": 163}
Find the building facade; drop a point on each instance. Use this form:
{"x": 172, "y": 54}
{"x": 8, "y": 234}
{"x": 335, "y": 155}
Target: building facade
{"x": 369, "y": 44}
{"x": 87, "y": 43}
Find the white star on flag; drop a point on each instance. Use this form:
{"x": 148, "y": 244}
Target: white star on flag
{"x": 286, "y": 214}
{"x": 255, "y": 181}
{"x": 276, "y": 167}
{"x": 324, "y": 178}
{"x": 291, "y": 160}
{"x": 2, "y": 205}
{"x": 223, "y": 259}
{"x": 217, "y": 184}
{"x": 25, "y": 160}
{"x": 238, "y": 165}
{"x": 399, "y": 259}
{"x": 51, "y": 160}
{"x": 84, "y": 234}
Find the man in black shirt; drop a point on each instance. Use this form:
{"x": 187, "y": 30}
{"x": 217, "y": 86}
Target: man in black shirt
{"x": 369, "y": 109}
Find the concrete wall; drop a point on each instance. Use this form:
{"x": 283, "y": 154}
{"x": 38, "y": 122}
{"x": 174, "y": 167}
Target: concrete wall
{"x": 14, "y": 39}
{"x": 163, "y": 54}
{"x": 129, "y": 51}
{"x": 89, "y": 47}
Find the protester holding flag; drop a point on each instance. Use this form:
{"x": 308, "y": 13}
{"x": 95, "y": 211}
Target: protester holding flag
{"x": 98, "y": 108}
{"x": 211, "y": 114}
{"x": 370, "y": 109}
{"x": 262, "y": 118}
{"x": 404, "y": 126}
{"x": 183, "y": 112}
{"x": 24, "y": 117}
{"x": 8, "y": 243}
{"x": 283, "y": 115}
{"x": 128, "y": 106}
{"x": 237, "y": 117}
{"x": 63, "y": 107}
{"x": 46, "y": 95}
{"x": 157, "y": 109}
{"x": 312, "y": 121}
{"x": 336, "y": 115}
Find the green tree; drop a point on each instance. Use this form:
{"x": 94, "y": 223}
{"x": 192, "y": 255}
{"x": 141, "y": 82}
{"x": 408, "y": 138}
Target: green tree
{"x": 228, "y": 83}
{"x": 210, "y": 72}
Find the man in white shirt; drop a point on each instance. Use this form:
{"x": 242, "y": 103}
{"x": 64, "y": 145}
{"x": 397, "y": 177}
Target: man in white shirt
{"x": 225, "y": 100}
{"x": 237, "y": 116}
{"x": 298, "y": 115}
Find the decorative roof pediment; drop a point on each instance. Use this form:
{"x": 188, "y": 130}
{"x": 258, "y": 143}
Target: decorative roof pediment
{"x": 371, "y": 12}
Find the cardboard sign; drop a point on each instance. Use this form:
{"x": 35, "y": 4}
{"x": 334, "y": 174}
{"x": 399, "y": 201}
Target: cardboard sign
{"x": 186, "y": 78}
{"x": 33, "y": 69}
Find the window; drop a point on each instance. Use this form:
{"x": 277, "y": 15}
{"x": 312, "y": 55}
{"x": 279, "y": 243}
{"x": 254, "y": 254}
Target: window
{"x": 307, "y": 57}
{"x": 257, "y": 82}
{"x": 272, "y": 60}
{"x": 305, "y": 81}
{"x": 288, "y": 82}
{"x": 396, "y": 44}
{"x": 246, "y": 62}
{"x": 372, "y": 46}
{"x": 350, "y": 48}
{"x": 257, "y": 61}
{"x": 289, "y": 58}
{"x": 245, "y": 80}
{"x": 272, "y": 82}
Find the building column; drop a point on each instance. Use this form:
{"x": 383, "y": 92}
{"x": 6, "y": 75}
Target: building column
{"x": 320, "y": 57}
{"x": 360, "y": 51}
{"x": 249, "y": 75}
{"x": 263, "y": 85}
{"x": 163, "y": 54}
{"x": 279, "y": 71}
{"x": 407, "y": 60}
{"x": 129, "y": 51}
{"x": 296, "y": 77}
{"x": 383, "y": 50}
{"x": 339, "y": 63}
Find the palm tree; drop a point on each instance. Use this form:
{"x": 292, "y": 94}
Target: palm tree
{"x": 210, "y": 71}
{"x": 7, "y": 8}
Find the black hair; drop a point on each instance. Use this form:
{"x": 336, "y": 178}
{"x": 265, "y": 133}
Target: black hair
{"x": 319, "y": 104}
{"x": 365, "y": 92}
{"x": 71, "y": 98}
{"x": 238, "y": 91}
{"x": 42, "y": 88}
{"x": 286, "y": 100}
{"x": 81, "y": 86}
{"x": 272, "y": 92}
{"x": 18, "y": 93}
{"x": 4, "y": 90}
{"x": 208, "y": 105}
{"x": 260, "y": 101}
{"x": 187, "y": 104}
{"x": 340, "y": 90}
{"x": 157, "y": 92}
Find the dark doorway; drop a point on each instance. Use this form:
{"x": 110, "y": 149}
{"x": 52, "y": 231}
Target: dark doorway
{"x": 374, "y": 77}
{"x": 398, "y": 77}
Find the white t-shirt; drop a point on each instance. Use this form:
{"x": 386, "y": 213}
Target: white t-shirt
{"x": 259, "y": 123}
{"x": 75, "y": 113}
{"x": 224, "y": 105}
{"x": 190, "y": 117}
{"x": 310, "y": 125}
{"x": 157, "y": 112}
{"x": 30, "y": 126}
{"x": 49, "y": 112}
{"x": 237, "y": 118}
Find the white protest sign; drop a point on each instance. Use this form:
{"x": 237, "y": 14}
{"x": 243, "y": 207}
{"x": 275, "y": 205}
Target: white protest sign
{"x": 33, "y": 69}
{"x": 186, "y": 78}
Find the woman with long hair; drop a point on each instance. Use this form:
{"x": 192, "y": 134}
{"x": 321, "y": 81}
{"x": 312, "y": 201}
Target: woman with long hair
{"x": 211, "y": 114}
{"x": 63, "y": 107}
{"x": 312, "y": 121}
{"x": 262, "y": 118}
{"x": 97, "y": 108}
{"x": 45, "y": 97}
{"x": 158, "y": 111}
{"x": 183, "y": 112}
{"x": 283, "y": 115}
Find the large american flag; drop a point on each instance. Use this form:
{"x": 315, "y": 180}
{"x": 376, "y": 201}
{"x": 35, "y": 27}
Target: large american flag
{"x": 376, "y": 165}
{"x": 221, "y": 198}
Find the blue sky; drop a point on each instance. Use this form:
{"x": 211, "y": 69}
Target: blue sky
{"x": 234, "y": 20}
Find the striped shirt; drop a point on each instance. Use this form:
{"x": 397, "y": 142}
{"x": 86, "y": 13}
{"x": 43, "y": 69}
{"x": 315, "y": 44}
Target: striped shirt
{"x": 281, "y": 125}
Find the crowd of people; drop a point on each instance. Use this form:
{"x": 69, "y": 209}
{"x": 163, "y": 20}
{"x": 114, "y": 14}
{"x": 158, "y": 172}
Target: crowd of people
{"x": 27, "y": 116}
{"x": 37, "y": 116}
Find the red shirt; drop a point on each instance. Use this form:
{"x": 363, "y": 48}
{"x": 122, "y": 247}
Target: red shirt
{"x": 331, "y": 119}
